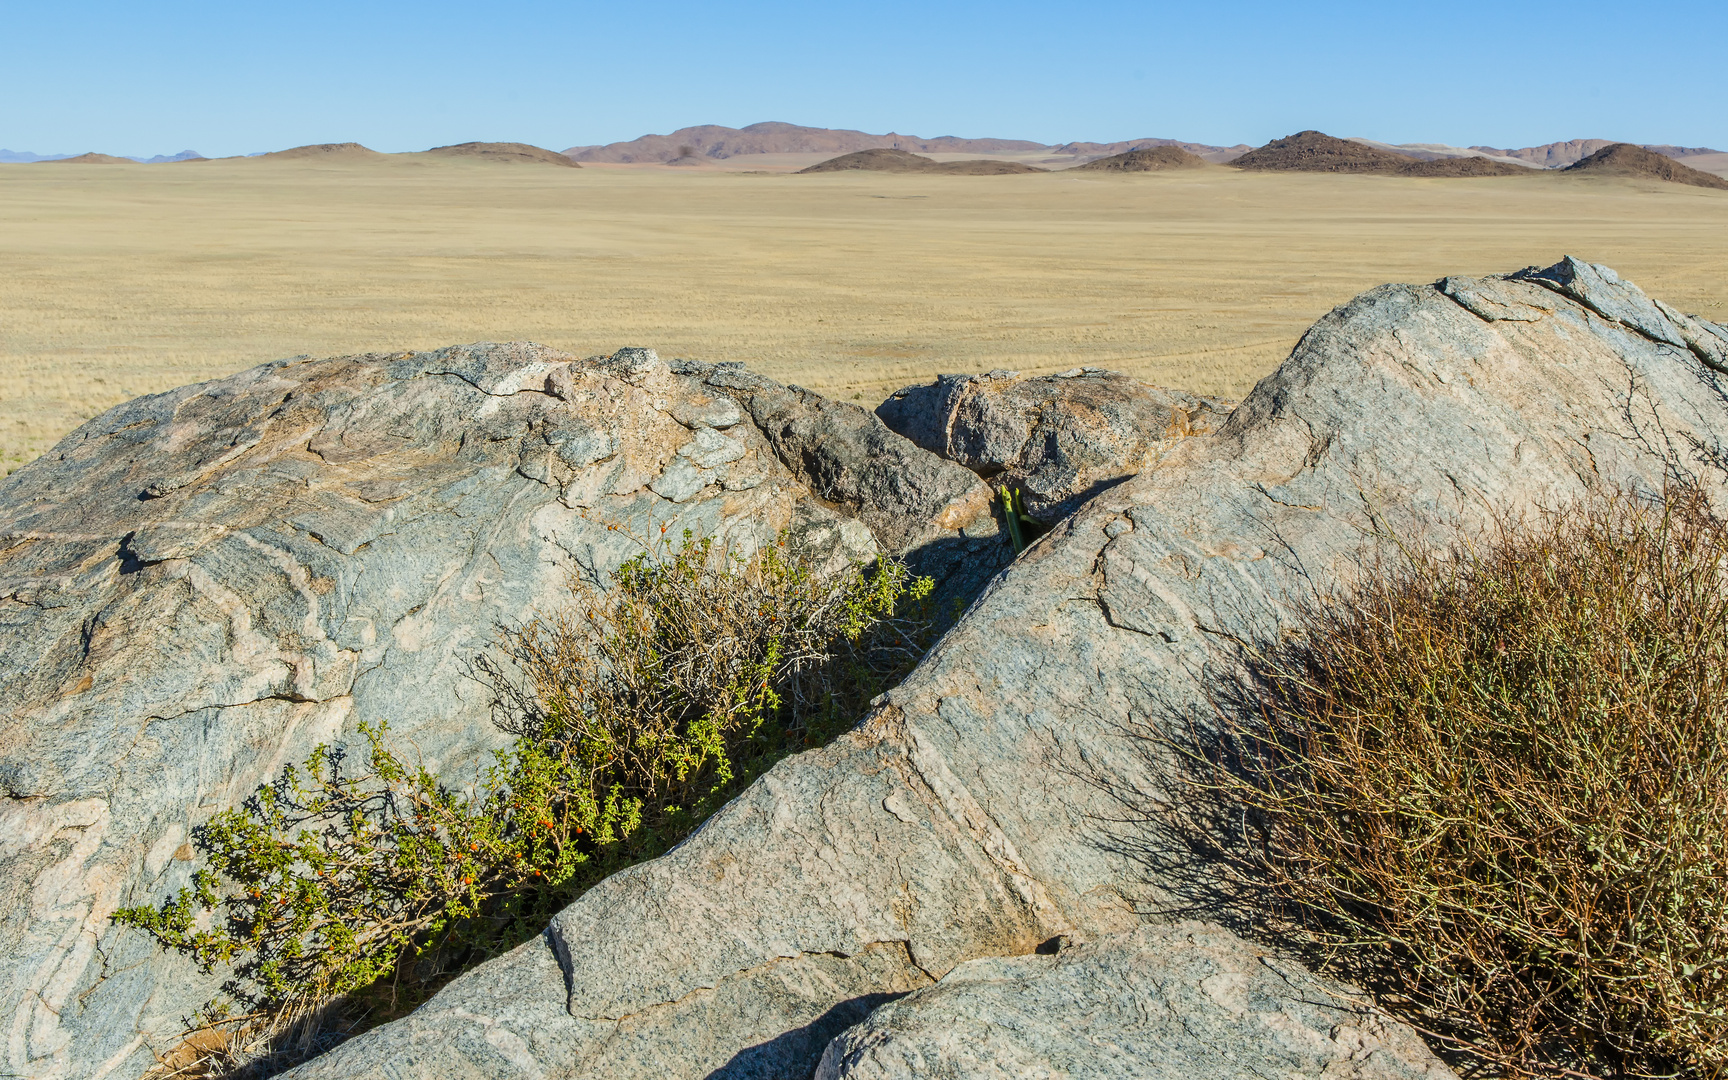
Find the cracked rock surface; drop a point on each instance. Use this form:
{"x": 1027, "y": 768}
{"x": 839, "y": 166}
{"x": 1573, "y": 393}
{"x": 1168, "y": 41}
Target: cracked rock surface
{"x": 1059, "y": 439}
{"x": 199, "y": 586}
{"x": 1175, "y": 1002}
{"x": 968, "y": 816}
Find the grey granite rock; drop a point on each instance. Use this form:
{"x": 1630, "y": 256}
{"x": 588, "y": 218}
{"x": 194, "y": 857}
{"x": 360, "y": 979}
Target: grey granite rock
{"x": 935, "y": 513}
{"x": 1058, "y": 439}
{"x": 847, "y": 456}
{"x": 968, "y": 816}
{"x": 198, "y": 587}
{"x": 1189, "y": 1001}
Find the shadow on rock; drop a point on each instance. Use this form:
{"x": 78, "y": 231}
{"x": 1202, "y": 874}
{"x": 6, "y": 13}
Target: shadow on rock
{"x": 795, "y": 1052}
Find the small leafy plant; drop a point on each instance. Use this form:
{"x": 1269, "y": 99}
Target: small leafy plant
{"x": 1492, "y": 784}
{"x": 363, "y": 878}
{"x": 1022, "y": 527}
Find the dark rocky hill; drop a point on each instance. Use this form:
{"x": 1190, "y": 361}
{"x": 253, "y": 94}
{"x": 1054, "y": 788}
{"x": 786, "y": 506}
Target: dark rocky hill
{"x": 1558, "y": 155}
{"x": 1625, "y": 159}
{"x": 513, "y": 152}
{"x": 323, "y": 152}
{"x": 1150, "y": 159}
{"x": 900, "y": 161}
{"x": 91, "y": 159}
{"x": 772, "y": 137}
{"x": 1314, "y": 151}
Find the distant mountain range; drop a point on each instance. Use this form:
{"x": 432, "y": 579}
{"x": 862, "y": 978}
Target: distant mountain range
{"x": 772, "y": 137}
{"x": 711, "y": 141}
{"x": 24, "y": 157}
{"x": 1554, "y": 155}
{"x": 714, "y": 141}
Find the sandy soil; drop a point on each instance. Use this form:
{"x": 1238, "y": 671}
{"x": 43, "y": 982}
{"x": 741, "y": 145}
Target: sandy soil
{"x": 118, "y": 282}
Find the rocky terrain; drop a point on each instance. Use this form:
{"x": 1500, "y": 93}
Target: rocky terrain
{"x": 1624, "y": 159}
{"x": 324, "y": 152}
{"x": 198, "y": 586}
{"x": 1149, "y": 159}
{"x": 773, "y": 137}
{"x": 92, "y": 159}
{"x": 1558, "y": 155}
{"x": 1165, "y": 1001}
{"x": 1092, "y": 151}
{"x": 900, "y": 161}
{"x": 1314, "y": 151}
{"x": 710, "y": 142}
{"x": 705, "y": 144}
{"x": 513, "y": 152}
{"x": 1060, "y": 439}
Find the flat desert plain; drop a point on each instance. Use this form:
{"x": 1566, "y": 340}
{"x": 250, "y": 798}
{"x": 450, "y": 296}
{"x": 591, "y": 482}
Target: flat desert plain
{"x": 123, "y": 280}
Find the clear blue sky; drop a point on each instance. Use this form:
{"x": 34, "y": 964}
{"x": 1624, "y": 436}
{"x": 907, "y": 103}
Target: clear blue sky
{"x": 236, "y": 77}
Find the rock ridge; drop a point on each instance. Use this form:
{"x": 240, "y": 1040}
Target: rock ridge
{"x": 967, "y": 821}
{"x": 197, "y": 587}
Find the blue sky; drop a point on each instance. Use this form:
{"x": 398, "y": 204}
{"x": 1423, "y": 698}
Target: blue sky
{"x": 236, "y": 77}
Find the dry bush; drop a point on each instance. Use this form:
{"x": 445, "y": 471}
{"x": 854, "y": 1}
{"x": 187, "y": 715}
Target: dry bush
{"x": 1492, "y": 784}
{"x": 356, "y": 884}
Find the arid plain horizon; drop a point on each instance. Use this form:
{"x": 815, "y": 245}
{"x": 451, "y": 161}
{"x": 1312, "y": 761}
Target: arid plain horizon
{"x": 127, "y": 280}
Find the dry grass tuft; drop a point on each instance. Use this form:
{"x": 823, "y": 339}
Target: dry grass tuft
{"x": 1492, "y": 784}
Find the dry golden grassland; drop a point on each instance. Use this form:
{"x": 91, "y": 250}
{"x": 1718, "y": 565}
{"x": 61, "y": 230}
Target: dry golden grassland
{"x": 123, "y": 280}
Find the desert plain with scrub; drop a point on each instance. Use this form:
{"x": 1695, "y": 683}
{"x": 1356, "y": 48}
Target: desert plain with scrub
{"x": 123, "y": 280}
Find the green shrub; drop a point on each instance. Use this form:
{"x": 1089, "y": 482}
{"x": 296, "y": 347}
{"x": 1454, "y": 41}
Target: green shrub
{"x": 637, "y": 711}
{"x": 1492, "y": 784}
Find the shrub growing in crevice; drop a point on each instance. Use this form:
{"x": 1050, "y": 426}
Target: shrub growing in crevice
{"x": 356, "y": 883}
{"x": 1491, "y": 784}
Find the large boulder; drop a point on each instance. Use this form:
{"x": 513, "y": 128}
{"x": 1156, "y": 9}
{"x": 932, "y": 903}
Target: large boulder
{"x": 198, "y": 587}
{"x": 914, "y": 502}
{"x": 1057, "y": 439}
{"x": 1174, "y": 1002}
{"x": 970, "y": 815}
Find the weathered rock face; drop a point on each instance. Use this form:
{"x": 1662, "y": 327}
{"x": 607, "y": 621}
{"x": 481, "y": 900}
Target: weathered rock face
{"x": 912, "y": 500}
{"x": 1173, "y": 1002}
{"x": 1059, "y": 439}
{"x": 198, "y": 587}
{"x": 963, "y": 819}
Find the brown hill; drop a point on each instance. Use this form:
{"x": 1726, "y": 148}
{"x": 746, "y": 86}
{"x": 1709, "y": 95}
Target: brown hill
{"x": 506, "y": 152}
{"x": 773, "y": 137}
{"x": 326, "y": 151}
{"x": 1313, "y": 151}
{"x": 1625, "y": 159}
{"x": 985, "y": 167}
{"x": 91, "y": 159}
{"x": 900, "y": 161}
{"x": 875, "y": 160}
{"x": 1558, "y": 155}
{"x": 1151, "y": 159}
{"x": 1464, "y": 166}
{"x": 1217, "y": 155}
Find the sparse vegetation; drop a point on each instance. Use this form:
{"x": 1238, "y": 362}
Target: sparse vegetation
{"x": 358, "y": 882}
{"x": 1492, "y": 785}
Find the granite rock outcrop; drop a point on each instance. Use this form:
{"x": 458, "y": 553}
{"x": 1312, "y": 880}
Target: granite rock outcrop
{"x": 1169, "y": 1002}
{"x": 970, "y": 815}
{"x": 1058, "y": 439}
{"x": 198, "y": 587}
